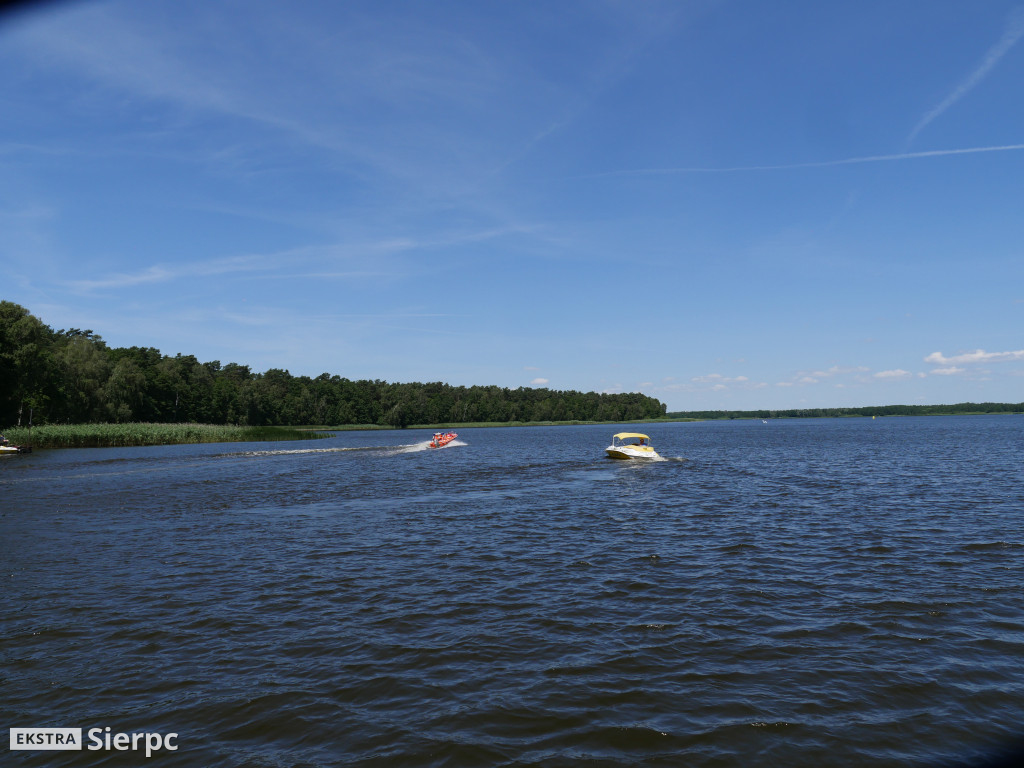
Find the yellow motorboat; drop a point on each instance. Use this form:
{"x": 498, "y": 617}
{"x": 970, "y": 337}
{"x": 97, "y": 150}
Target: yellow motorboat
{"x": 631, "y": 445}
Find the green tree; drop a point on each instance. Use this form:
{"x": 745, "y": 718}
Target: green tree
{"x": 84, "y": 369}
{"x": 124, "y": 391}
{"x": 26, "y": 363}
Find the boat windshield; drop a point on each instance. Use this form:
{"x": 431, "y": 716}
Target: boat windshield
{"x": 623, "y": 436}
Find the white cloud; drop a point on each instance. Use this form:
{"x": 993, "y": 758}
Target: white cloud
{"x": 538, "y": 382}
{"x": 898, "y": 373}
{"x": 837, "y": 370}
{"x": 951, "y": 371}
{"x": 977, "y": 356}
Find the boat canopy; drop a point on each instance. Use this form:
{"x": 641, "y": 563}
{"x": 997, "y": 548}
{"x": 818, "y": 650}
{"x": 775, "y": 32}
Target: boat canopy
{"x": 627, "y": 435}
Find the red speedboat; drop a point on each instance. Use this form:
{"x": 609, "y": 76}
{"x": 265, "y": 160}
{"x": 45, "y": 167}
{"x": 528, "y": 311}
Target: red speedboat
{"x": 441, "y": 439}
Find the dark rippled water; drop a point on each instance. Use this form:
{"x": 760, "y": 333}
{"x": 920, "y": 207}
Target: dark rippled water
{"x": 797, "y": 593}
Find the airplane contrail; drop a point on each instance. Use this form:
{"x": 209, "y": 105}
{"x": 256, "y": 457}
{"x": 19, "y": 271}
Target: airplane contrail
{"x": 1013, "y": 33}
{"x": 818, "y": 164}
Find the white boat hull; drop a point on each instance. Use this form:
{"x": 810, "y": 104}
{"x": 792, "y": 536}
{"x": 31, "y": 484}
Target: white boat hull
{"x": 631, "y": 452}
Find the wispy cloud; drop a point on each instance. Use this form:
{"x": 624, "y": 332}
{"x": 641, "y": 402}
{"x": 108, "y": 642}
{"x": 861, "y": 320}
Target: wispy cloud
{"x": 816, "y": 377}
{"x": 202, "y": 69}
{"x": 719, "y": 383}
{"x": 716, "y": 382}
{"x": 838, "y": 370}
{"x": 539, "y": 382}
{"x": 122, "y": 280}
{"x": 327, "y": 275}
{"x": 163, "y": 274}
{"x": 897, "y": 373}
{"x": 322, "y": 258}
{"x": 717, "y": 378}
{"x": 977, "y": 356}
{"x": 1011, "y": 34}
{"x": 820, "y": 164}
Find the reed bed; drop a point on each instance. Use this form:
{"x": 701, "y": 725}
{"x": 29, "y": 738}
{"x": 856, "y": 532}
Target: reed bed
{"x": 116, "y": 435}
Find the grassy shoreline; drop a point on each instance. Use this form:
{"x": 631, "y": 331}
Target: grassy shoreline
{"x": 134, "y": 434}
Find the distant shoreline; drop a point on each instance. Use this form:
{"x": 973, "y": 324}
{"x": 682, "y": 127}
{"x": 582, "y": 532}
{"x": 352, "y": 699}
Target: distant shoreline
{"x": 956, "y": 409}
{"x": 151, "y": 434}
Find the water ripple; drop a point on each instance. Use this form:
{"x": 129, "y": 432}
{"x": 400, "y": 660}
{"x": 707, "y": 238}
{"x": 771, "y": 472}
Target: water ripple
{"x": 819, "y": 593}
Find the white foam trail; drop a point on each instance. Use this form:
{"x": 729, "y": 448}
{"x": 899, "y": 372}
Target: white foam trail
{"x": 415, "y": 447}
{"x": 425, "y": 446}
{"x": 284, "y": 452}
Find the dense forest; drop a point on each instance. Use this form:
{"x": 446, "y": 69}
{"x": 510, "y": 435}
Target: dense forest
{"x": 72, "y": 376}
{"x": 874, "y": 410}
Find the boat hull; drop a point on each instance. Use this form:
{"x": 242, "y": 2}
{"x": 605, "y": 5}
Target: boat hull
{"x": 440, "y": 441}
{"x": 631, "y": 452}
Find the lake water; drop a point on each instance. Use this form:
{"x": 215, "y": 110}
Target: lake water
{"x": 796, "y": 593}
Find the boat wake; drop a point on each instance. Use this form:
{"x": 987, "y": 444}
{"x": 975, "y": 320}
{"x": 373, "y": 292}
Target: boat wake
{"x": 388, "y": 449}
{"x": 297, "y": 451}
{"x": 425, "y": 446}
{"x": 632, "y": 463}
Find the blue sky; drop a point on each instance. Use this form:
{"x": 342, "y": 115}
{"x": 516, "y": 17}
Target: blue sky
{"x": 720, "y": 204}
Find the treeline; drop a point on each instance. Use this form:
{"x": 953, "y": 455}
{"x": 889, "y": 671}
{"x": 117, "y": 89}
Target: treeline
{"x": 72, "y": 376}
{"x": 879, "y": 410}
